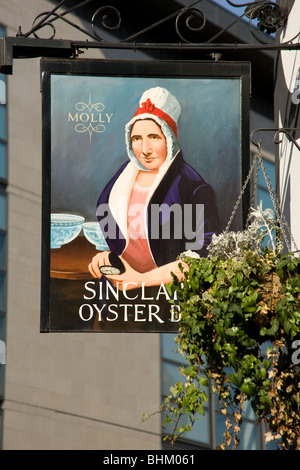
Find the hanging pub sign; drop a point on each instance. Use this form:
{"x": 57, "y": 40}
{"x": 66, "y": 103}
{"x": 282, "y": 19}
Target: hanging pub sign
{"x": 142, "y": 162}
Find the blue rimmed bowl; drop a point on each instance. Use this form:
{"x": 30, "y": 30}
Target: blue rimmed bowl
{"x": 94, "y": 235}
{"x": 65, "y": 228}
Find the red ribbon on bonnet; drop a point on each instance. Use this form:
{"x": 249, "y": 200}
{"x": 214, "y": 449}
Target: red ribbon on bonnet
{"x": 150, "y": 108}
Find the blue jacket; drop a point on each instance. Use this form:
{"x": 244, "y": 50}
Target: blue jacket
{"x": 173, "y": 234}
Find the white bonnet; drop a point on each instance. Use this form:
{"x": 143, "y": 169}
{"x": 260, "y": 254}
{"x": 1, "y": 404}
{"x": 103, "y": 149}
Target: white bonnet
{"x": 161, "y": 106}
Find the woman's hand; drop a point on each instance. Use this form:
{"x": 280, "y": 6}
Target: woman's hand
{"x": 98, "y": 260}
{"x": 131, "y": 279}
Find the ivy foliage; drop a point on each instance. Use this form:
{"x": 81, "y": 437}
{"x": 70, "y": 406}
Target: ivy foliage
{"x": 240, "y": 320}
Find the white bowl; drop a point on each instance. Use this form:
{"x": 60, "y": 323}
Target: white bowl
{"x": 94, "y": 235}
{"x": 64, "y": 228}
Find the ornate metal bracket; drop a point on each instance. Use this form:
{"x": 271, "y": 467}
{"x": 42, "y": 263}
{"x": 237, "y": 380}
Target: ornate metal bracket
{"x": 286, "y": 131}
{"x": 268, "y": 15}
{"x": 263, "y": 16}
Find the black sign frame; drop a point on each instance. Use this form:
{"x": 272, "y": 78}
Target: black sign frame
{"x": 156, "y": 71}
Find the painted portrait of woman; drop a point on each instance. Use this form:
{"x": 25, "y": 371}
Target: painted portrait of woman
{"x": 155, "y": 163}
{"x": 155, "y": 175}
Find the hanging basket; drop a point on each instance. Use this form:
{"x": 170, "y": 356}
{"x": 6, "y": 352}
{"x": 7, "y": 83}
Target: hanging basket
{"x": 240, "y": 319}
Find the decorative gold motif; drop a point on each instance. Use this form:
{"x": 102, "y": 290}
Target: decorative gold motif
{"x": 90, "y": 117}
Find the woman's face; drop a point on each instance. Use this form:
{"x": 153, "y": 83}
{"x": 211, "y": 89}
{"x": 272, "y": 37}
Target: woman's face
{"x": 149, "y": 144}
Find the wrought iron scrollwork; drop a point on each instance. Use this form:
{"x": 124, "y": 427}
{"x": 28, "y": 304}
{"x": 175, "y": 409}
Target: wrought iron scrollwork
{"x": 195, "y": 21}
{"x": 45, "y": 23}
{"x": 270, "y": 17}
{"x": 190, "y": 21}
{"x": 111, "y": 19}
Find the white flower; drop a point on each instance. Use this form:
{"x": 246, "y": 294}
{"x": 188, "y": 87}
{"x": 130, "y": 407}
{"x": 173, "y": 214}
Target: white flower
{"x": 234, "y": 244}
{"x": 189, "y": 254}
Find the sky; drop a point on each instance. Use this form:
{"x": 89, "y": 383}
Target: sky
{"x": 235, "y": 10}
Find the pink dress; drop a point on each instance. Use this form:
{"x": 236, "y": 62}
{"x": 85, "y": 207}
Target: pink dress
{"x": 137, "y": 252}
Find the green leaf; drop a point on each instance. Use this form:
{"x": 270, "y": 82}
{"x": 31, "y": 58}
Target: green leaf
{"x": 272, "y": 330}
{"x": 236, "y": 308}
{"x": 232, "y": 331}
{"x": 203, "y": 381}
{"x": 248, "y": 387}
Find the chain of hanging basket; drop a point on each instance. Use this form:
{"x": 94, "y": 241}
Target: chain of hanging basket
{"x": 276, "y": 204}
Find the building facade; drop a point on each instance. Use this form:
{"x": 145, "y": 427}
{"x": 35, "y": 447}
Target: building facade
{"x": 287, "y": 72}
{"x": 84, "y": 391}
{"x": 58, "y": 391}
